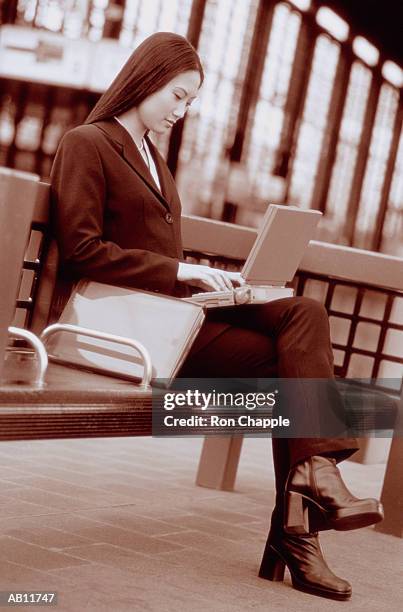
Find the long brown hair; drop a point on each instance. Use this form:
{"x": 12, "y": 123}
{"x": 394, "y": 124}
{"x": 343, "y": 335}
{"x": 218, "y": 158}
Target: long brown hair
{"x": 154, "y": 63}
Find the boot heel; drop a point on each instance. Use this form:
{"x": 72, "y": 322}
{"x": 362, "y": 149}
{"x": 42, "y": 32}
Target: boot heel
{"x": 318, "y": 519}
{"x": 296, "y": 519}
{"x": 272, "y": 566}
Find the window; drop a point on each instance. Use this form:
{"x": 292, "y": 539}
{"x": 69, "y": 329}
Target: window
{"x": 347, "y": 146}
{"x": 224, "y": 48}
{"x": 144, "y": 17}
{"x": 264, "y": 131}
{"x": 392, "y": 242}
{"x": 314, "y": 119}
{"x": 376, "y": 165}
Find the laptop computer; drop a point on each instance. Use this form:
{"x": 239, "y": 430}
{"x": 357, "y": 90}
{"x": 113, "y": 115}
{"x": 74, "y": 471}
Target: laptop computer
{"x": 274, "y": 258}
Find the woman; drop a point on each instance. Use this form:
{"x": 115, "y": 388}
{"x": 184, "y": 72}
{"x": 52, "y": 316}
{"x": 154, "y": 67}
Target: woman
{"x": 117, "y": 220}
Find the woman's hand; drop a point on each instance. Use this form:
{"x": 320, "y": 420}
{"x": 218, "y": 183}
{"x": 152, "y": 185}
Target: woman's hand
{"x": 209, "y": 279}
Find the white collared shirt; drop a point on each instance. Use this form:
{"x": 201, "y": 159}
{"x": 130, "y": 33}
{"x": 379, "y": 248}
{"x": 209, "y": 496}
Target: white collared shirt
{"x": 151, "y": 164}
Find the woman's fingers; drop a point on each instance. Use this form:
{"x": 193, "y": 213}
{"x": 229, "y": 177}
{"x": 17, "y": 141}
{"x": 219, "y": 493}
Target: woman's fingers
{"x": 222, "y": 279}
{"x": 236, "y": 278}
{"x": 211, "y": 279}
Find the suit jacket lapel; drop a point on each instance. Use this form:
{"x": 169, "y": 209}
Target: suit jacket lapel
{"x": 167, "y": 183}
{"x": 133, "y": 157}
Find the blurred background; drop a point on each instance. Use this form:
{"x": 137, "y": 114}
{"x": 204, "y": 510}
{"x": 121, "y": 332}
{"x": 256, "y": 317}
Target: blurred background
{"x": 301, "y": 104}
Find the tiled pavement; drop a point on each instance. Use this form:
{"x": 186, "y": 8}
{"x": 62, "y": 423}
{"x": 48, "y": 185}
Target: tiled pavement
{"x": 117, "y": 524}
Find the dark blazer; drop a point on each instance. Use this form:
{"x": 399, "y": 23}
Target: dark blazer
{"x": 111, "y": 222}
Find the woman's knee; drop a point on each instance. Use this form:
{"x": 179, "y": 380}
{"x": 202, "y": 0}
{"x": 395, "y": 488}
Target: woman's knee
{"x": 311, "y": 309}
{"x": 309, "y": 317}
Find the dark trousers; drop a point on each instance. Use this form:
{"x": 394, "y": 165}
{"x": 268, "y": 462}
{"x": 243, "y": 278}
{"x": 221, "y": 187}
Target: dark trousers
{"x": 287, "y": 339}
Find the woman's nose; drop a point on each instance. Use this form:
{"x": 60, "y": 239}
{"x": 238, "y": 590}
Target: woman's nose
{"x": 180, "y": 110}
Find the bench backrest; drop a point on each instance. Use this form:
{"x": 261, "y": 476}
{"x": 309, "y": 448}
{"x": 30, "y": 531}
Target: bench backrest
{"x": 39, "y": 268}
{"x": 17, "y": 199}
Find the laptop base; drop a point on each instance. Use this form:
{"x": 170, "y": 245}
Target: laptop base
{"x": 248, "y": 294}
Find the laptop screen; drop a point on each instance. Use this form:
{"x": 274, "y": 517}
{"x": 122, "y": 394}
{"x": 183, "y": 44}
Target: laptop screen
{"x": 280, "y": 244}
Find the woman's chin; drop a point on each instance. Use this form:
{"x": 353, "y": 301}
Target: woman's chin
{"x": 158, "y": 131}
{"x": 165, "y": 126}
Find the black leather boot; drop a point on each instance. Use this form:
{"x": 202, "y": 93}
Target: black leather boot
{"x": 304, "y": 558}
{"x": 316, "y": 498}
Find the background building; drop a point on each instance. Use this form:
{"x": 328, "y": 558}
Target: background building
{"x": 301, "y": 103}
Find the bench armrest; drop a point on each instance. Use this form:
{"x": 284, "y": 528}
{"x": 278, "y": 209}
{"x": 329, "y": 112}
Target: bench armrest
{"x": 39, "y": 349}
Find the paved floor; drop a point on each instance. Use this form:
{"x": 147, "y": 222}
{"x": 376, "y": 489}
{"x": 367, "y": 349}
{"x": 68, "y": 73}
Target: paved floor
{"x": 117, "y": 524}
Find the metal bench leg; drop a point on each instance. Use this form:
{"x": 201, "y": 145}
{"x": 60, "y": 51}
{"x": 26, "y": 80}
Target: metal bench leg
{"x": 392, "y": 492}
{"x": 219, "y": 462}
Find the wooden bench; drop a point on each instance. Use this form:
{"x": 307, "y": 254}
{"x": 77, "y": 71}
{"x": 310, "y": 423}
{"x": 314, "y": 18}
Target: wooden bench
{"x": 72, "y": 403}
{"x": 78, "y": 404}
